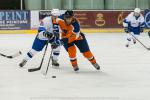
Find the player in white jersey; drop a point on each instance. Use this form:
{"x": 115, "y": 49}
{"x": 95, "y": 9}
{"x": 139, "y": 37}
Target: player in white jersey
{"x": 133, "y": 24}
{"x": 48, "y": 32}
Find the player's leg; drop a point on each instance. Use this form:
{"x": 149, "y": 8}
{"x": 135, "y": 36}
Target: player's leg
{"x": 72, "y": 55}
{"x": 84, "y": 49}
{"x": 128, "y": 40}
{"x": 55, "y": 55}
{"x": 37, "y": 46}
{"x": 71, "y": 49}
{"x": 136, "y": 33}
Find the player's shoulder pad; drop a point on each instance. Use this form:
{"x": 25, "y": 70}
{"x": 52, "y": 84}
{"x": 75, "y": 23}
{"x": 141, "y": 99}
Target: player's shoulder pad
{"x": 131, "y": 14}
{"x": 141, "y": 15}
{"x": 76, "y": 25}
{"x": 58, "y": 20}
{"x": 47, "y": 19}
{"x": 61, "y": 17}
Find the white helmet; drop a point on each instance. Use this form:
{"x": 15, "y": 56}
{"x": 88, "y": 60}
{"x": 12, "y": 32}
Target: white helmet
{"x": 137, "y": 10}
{"x": 55, "y": 12}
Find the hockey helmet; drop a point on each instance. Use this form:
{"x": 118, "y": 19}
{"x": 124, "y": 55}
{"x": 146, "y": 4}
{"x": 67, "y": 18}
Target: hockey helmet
{"x": 55, "y": 12}
{"x": 69, "y": 14}
{"x": 137, "y": 10}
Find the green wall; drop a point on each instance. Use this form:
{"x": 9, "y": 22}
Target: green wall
{"x": 86, "y": 4}
{"x": 120, "y": 4}
{"x": 33, "y": 4}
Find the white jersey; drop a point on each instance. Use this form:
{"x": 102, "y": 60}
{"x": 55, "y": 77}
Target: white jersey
{"x": 45, "y": 25}
{"x": 134, "y": 22}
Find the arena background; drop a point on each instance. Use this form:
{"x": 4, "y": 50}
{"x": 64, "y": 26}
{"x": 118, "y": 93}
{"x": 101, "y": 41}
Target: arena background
{"x": 95, "y": 16}
{"x": 124, "y": 74}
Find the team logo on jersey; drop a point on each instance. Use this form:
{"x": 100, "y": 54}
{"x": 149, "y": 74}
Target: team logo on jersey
{"x": 147, "y": 19}
{"x": 55, "y": 28}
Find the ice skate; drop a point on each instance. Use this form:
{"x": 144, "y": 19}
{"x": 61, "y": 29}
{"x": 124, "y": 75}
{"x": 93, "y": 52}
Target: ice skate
{"x": 23, "y": 63}
{"x": 134, "y": 41}
{"x": 76, "y": 68}
{"x": 96, "y": 66}
{"x": 127, "y": 45}
{"x": 55, "y": 63}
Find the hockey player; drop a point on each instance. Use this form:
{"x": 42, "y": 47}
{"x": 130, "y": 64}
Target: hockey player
{"x": 72, "y": 37}
{"x": 133, "y": 24}
{"x": 47, "y": 31}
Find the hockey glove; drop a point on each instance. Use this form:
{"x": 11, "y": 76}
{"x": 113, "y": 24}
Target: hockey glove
{"x": 126, "y": 29}
{"x": 48, "y": 35}
{"x": 56, "y": 34}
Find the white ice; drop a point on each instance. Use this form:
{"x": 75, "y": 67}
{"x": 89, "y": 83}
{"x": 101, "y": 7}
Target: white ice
{"x": 124, "y": 75}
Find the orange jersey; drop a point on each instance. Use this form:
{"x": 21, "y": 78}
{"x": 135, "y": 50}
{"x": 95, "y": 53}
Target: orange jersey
{"x": 72, "y": 32}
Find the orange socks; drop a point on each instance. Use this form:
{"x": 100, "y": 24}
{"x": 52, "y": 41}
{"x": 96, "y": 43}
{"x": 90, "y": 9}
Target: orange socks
{"x": 89, "y": 56}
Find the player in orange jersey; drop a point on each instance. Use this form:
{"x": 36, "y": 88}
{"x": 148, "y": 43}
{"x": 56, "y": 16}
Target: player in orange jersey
{"x": 72, "y": 37}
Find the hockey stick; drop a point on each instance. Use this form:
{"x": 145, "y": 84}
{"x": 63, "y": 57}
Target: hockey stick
{"x": 140, "y": 42}
{"x": 38, "y": 68}
{"x": 149, "y": 33}
{"x": 12, "y": 56}
{"x": 48, "y": 63}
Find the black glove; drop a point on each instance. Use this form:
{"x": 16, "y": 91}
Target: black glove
{"x": 126, "y": 29}
{"x": 141, "y": 29}
{"x": 55, "y": 44}
{"x": 48, "y": 34}
{"x": 149, "y": 33}
{"x": 56, "y": 34}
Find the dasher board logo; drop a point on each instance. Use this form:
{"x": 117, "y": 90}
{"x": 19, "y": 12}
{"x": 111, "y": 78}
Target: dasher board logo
{"x": 14, "y": 19}
{"x": 147, "y": 19}
{"x": 43, "y": 14}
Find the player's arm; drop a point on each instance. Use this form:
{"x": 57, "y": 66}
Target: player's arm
{"x": 75, "y": 32}
{"x": 126, "y": 23}
{"x": 62, "y": 25}
{"x": 42, "y": 30}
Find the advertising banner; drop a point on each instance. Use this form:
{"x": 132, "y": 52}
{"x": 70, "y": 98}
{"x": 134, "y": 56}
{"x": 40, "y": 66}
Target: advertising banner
{"x": 46, "y": 13}
{"x": 101, "y": 19}
{"x": 96, "y": 19}
{"x": 43, "y": 14}
{"x": 14, "y": 20}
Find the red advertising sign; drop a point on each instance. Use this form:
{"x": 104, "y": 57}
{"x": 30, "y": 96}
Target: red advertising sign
{"x": 101, "y": 19}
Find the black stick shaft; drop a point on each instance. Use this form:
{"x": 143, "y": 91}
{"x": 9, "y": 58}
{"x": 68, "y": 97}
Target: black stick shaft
{"x": 49, "y": 62}
{"x": 140, "y": 42}
{"x": 38, "y": 68}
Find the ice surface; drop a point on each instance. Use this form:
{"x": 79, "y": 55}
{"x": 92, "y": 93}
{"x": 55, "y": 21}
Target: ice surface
{"x": 124, "y": 75}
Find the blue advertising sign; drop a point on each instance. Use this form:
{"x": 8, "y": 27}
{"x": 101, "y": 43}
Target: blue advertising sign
{"x": 14, "y": 20}
{"x": 147, "y": 18}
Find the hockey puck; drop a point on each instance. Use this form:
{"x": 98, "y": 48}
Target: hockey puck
{"x": 53, "y": 76}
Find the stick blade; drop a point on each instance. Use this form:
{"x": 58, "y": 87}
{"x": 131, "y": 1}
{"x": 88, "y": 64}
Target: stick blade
{"x": 148, "y": 48}
{"x": 34, "y": 69}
